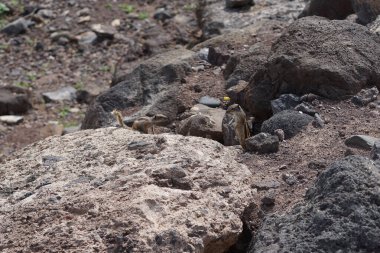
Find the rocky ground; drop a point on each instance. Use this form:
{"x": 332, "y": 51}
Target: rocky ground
{"x": 309, "y": 87}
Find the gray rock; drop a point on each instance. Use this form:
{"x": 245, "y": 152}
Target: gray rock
{"x": 264, "y": 185}
{"x": 374, "y": 27}
{"x": 14, "y": 100}
{"x": 144, "y": 86}
{"x": 284, "y": 102}
{"x": 361, "y": 141}
{"x": 66, "y": 93}
{"x": 46, "y": 13}
{"x": 306, "y": 108}
{"x": 289, "y": 179}
{"x": 365, "y": 96}
{"x": 162, "y": 14}
{"x": 238, "y": 3}
{"x": 17, "y": 27}
{"x": 104, "y": 31}
{"x": 290, "y": 121}
{"x": 312, "y": 63}
{"x": 334, "y": 217}
{"x": 375, "y": 152}
{"x": 269, "y": 198}
{"x": 11, "y": 119}
{"x": 263, "y": 143}
{"x": 209, "y": 101}
{"x": 205, "y": 122}
{"x": 86, "y": 38}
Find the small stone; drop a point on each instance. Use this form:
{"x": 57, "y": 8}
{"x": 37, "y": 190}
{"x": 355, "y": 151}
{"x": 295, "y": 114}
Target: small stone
{"x": 86, "y": 38}
{"x": 84, "y": 19}
{"x": 17, "y": 27}
{"x": 280, "y": 134}
{"x": 45, "y": 13}
{"x": 209, "y": 101}
{"x": 83, "y": 12}
{"x": 263, "y": 143}
{"x": 116, "y": 23}
{"x": 361, "y": 141}
{"x": 317, "y": 165}
{"x": 197, "y": 88}
{"x": 266, "y": 185}
{"x": 104, "y": 30}
{"x": 289, "y": 179}
{"x": 306, "y": 108}
{"x": 365, "y": 96}
{"x": 284, "y": 102}
{"x": 162, "y": 14}
{"x": 66, "y": 93}
{"x": 198, "y": 68}
{"x": 11, "y": 119}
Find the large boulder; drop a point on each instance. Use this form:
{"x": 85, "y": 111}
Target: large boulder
{"x": 315, "y": 55}
{"x": 143, "y": 87}
{"x": 341, "y": 213}
{"x": 366, "y": 10}
{"x": 115, "y": 190}
{"x": 290, "y": 121}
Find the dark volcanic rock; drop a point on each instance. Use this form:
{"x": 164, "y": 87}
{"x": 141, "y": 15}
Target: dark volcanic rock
{"x": 361, "y": 141}
{"x": 315, "y": 55}
{"x": 366, "y": 10}
{"x": 13, "y": 100}
{"x": 365, "y": 96}
{"x": 142, "y": 87}
{"x": 285, "y": 102}
{"x": 291, "y": 122}
{"x": 341, "y": 213}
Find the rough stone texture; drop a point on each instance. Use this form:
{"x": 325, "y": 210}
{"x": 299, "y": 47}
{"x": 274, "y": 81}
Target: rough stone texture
{"x": 291, "y": 122}
{"x": 242, "y": 67}
{"x": 375, "y": 152}
{"x": 361, "y": 141}
{"x": 341, "y": 213}
{"x": 204, "y": 122}
{"x": 14, "y": 100}
{"x": 284, "y": 102}
{"x": 365, "y": 96}
{"x": 229, "y": 130}
{"x": 144, "y": 86}
{"x": 375, "y": 26}
{"x": 366, "y": 10}
{"x": 115, "y": 190}
{"x": 263, "y": 143}
{"x": 315, "y": 55}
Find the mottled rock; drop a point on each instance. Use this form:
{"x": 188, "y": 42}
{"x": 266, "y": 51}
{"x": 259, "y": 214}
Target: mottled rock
{"x": 86, "y": 38}
{"x": 291, "y": 122}
{"x": 361, "y": 141}
{"x": 263, "y": 143}
{"x": 280, "y": 134}
{"x": 264, "y": 185}
{"x": 334, "y": 217}
{"x": 98, "y": 187}
{"x": 104, "y": 31}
